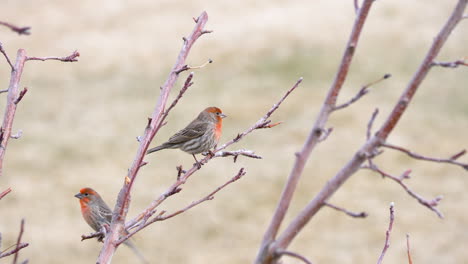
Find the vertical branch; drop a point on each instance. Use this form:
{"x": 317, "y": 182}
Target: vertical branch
{"x": 387, "y": 234}
{"x": 10, "y": 109}
{"x": 18, "y": 242}
{"x": 264, "y": 256}
{"x": 123, "y": 199}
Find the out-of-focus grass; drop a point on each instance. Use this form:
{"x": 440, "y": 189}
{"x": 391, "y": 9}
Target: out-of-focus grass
{"x": 80, "y": 121}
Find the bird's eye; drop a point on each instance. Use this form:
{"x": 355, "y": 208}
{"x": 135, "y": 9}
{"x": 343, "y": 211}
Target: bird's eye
{"x": 86, "y": 194}
{"x": 218, "y": 113}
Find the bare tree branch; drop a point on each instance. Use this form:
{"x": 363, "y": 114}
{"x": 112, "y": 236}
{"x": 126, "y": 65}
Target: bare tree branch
{"x": 5, "y": 192}
{"x": 123, "y": 199}
{"x": 18, "y": 242}
{"x": 371, "y": 123}
{"x": 71, "y": 58}
{"x": 451, "y": 160}
{"x": 269, "y": 246}
{"x": 451, "y": 64}
{"x": 364, "y": 90}
{"x": 6, "y": 57}
{"x": 265, "y": 254}
{"x": 352, "y": 214}
{"x": 387, "y": 234}
{"x": 431, "y": 204}
{"x": 237, "y": 153}
{"x": 183, "y": 176}
{"x": 14, "y": 97}
{"x": 279, "y": 253}
{"x": 408, "y": 249}
{"x": 19, "y": 30}
{"x": 162, "y": 217}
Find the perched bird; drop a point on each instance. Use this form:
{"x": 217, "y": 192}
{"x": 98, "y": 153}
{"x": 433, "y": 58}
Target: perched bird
{"x": 199, "y": 136}
{"x": 97, "y": 214}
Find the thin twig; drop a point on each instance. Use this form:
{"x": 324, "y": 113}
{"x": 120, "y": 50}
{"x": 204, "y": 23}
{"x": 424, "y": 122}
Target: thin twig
{"x": 387, "y": 234}
{"x": 352, "y": 214}
{"x": 71, "y": 58}
{"x": 19, "y": 30}
{"x": 451, "y": 160}
{"x": 21, "y": 95}
{"x": 98, "y": 234}
{"x": 187, "y": 67}
{"x": 410, "y": 261}
{"x": 450, "y": 64}
{"x": 279, "y": 253}
{"x": 13, "y": 251}
{"x": 364, "y": 90}
{"x": 242, "y": 152}
{"x": 356, "y": 6}
{"x": 371, "y": 123}
{"x": 431, "y": 204}
{"x": 162, "y": 217}
{"x": 6, "y": 57}
{"x": 5, "y": 192}
{"x": 18, "y": 242}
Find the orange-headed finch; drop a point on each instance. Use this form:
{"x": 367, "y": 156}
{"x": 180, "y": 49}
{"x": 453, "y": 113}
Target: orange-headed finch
{"x": 97, "y": 214}
{"x": 199, "y": 136}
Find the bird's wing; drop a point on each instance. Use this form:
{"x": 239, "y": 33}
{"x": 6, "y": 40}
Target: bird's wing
{"x": 193, "y": 130}
{"x": 105, "y": 212}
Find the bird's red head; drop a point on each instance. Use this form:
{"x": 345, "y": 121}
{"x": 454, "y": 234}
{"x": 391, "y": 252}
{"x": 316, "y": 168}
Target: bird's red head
{"x": 86, "y": 194}
{"x": 216, "y": 111}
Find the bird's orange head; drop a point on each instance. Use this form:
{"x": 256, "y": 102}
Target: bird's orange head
{"x": 215, "y": 111}
{"x": 217, "y": 116}
{"x": 87, "y": 195}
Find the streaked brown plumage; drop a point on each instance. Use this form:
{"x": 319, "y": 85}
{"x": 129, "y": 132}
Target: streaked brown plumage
{"x": 97, "y": 214}
{"x": 201, "y": 135}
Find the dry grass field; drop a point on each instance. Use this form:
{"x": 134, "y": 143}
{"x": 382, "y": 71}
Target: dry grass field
{"x": 80, "y": 121}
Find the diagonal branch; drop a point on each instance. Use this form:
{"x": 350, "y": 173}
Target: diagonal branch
{"x": 6, "y": 57}
{"x": 156, "y": 121}
{"x": 162, "y": 217}
{"x": 352, "y": 214}
{"x": 5, "y": 192}
{"x": 19, "y": 30}
{"x": 451, "y": 160}
{"x": 364, "y": 90}
{"x": 431, "y": 204}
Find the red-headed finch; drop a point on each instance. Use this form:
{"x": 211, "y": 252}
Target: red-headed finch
{"x": 201, "y": 135}
{"x": 97, "y": 214}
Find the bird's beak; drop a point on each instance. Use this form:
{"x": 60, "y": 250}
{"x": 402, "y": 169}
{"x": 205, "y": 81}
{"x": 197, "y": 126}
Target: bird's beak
{"x": 79, "y": 195}
{"x": 222, "y": 115}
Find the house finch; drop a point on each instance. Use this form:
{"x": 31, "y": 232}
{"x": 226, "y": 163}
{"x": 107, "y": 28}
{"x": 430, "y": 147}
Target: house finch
{"x": 199, "y": 136}
{"x": 97, "y": 214}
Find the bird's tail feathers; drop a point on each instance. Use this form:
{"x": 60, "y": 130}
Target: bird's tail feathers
{"x": 135, "y": 250}
{"x": 155, "y": 149}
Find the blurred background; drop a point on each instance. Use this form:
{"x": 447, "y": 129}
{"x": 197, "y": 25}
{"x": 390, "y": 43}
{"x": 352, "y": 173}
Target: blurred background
{"x": 80, "y": 122}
